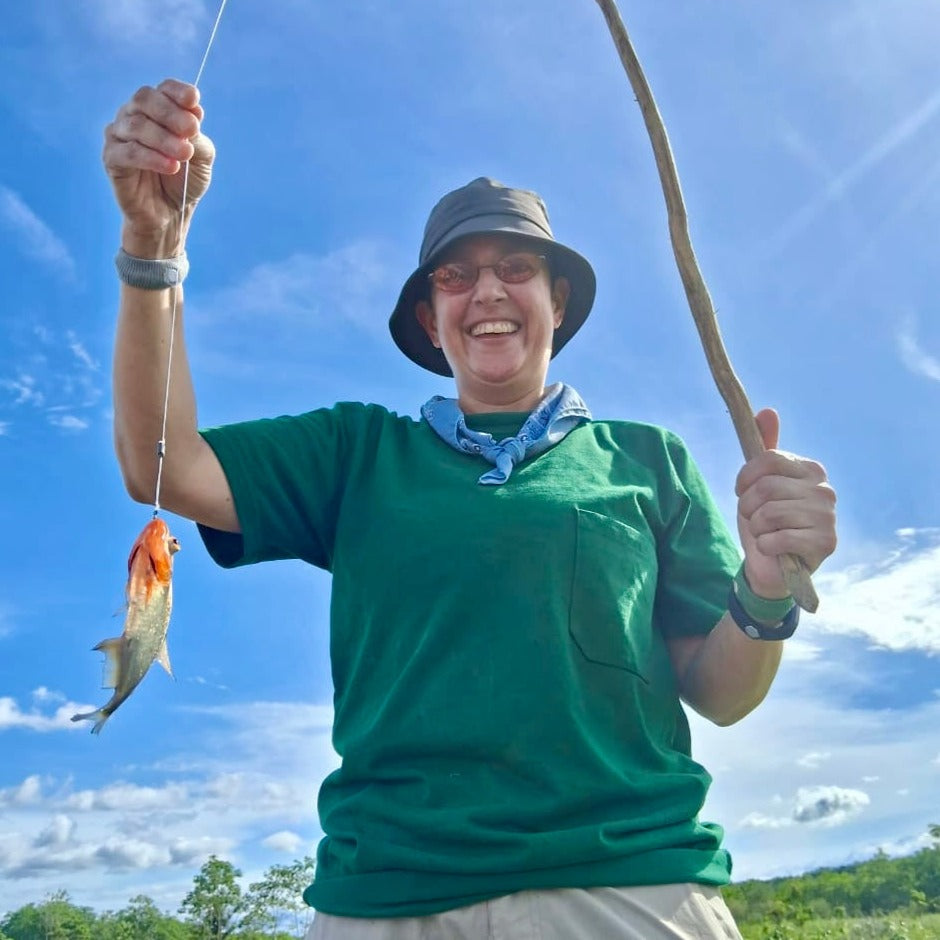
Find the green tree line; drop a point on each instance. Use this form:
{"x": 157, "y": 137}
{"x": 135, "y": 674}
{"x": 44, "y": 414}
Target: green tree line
{"x": 880, "y": 885}
{"x": 217, "y": 908}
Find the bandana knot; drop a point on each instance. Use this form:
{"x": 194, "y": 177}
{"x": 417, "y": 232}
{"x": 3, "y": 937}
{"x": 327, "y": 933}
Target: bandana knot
{"x": 560, "y": 411}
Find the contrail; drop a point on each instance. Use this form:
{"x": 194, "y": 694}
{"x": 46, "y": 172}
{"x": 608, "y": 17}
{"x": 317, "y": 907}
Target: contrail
{"x": 850, "y": 177}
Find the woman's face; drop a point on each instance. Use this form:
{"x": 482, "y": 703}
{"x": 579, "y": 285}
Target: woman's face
{"x": 496, "y": 336}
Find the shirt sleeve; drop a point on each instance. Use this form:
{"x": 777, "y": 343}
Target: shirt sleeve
{"x": 286, "y": 475}
{"x": 698, "y": 555}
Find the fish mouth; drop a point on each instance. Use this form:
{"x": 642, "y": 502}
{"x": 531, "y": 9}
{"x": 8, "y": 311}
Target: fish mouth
{"x": 172, "y": 545}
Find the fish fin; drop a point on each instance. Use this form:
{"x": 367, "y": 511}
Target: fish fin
{"x": 112, "y": 652}
{"x": 99, "y": 717}
{"x": 163, "y": 658}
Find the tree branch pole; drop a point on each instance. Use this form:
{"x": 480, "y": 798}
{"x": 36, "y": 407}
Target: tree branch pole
{"x": 795, "y": 572}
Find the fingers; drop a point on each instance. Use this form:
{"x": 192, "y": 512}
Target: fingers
{"x": 154, "y": 130}
{"x": 787, "y": 505}
{"x": 777, "y": 463}
{"x": 768, "y": 423}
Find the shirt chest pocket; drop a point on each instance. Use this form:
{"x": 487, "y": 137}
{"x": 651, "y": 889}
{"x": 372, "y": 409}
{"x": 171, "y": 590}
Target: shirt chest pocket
{"x": 612, "y": 593}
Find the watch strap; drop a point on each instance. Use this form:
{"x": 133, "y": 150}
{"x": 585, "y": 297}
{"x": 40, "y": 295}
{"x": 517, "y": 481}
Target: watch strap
{"x": 782, "y": 629}
{"x": 151, "y": 273}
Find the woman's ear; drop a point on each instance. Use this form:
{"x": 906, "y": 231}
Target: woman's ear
{"x": 561, "y": 291}
{"x": 425, "y": 314}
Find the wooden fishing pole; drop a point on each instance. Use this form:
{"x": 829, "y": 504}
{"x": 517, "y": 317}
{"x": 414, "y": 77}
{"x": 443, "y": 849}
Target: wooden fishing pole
{"x": 795, "y": 572}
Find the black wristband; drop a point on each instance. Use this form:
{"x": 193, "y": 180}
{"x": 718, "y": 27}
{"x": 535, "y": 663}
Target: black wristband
{"x": 756, "y": 630}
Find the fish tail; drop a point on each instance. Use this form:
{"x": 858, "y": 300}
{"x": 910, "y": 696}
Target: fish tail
{"x": 99, "y": 717}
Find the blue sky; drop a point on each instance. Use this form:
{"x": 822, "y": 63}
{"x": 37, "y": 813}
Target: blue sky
{"x": 807, "y": 138}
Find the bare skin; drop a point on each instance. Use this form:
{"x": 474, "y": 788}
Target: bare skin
{"x": 144, "y": 146}
{"x": 505, "y": 371}
{"x": 785, "y": 503}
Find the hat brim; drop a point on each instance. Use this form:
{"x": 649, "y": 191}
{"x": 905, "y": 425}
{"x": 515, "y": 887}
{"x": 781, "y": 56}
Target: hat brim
{"x": 409, "y": 334}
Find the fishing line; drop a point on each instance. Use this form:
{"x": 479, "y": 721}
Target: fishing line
{"x": 161, "y": 444}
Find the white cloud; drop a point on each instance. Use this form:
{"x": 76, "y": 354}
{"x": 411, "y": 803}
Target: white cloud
{"x": 898, "y": 847}
{"x": 59, "y": 832}
{"x": 892, "y": 601}
{"x": 280, "y": 751}
{"x": 27, "y": 793}
{"x": 801, "y": 650}
{"x": 284, "y": 841}
{"x": 24, "y": 391}
{"x": 813, "y": 759}
{"x": 916, "y": 359}
{"x": 33, "y": 236}
{"x": 4, "y": 429}
{"x": 80, "y": 352}
{"x": 68, "y": 422}
{"x": 828, "y": 806}
{"x": 138, "y": 20}
{"x": 819, "y": 805}
{"x": 760, "y": 821}
{"x": 760, "y": 789}
{"x": 63, "y": 379}
{"x": 11, "y": 716}
{"x": 21, "y": 861}
{"x": 127, "y": 797}
{"x": 319, "y": 292}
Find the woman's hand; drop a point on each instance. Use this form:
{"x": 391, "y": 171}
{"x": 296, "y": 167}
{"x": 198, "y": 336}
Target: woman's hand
{"x": 785, "y": 506}
{"x": 145, "y": 147}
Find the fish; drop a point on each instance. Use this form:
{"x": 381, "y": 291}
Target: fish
{"x": 149, "y": 597}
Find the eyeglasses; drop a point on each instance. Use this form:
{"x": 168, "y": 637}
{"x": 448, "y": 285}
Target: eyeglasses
{"x": 457, "y": 276}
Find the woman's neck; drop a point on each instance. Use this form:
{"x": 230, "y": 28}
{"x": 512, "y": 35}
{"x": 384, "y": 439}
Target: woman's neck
{"x": 484, "y": 400}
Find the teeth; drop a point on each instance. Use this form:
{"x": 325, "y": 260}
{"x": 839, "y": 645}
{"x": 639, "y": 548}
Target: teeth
{"x": 500, "y": 326}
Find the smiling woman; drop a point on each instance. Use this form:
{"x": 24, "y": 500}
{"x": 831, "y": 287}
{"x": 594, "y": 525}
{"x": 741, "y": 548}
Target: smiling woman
{"x": 522, "y": 595}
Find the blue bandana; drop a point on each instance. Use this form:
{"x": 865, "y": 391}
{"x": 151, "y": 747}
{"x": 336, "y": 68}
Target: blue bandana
{"x": 561, "y": 410}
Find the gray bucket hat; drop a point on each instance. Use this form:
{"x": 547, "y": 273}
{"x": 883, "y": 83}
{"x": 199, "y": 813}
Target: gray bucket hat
{"x": 485, "y": 207}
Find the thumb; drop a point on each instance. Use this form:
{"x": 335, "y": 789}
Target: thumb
{"x": 768, "y": 423}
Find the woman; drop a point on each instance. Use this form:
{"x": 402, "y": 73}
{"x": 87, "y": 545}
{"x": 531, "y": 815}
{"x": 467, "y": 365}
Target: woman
{"x": 522, "y": 595}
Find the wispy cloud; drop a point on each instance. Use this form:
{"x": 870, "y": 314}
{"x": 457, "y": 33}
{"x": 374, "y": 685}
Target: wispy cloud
{"x": 136, "y": 20}
{"x": 33, "y": 237}
{"x": 23, "y": 390}
{"x": 318, "y": 292}
{"x": 68, "y": 422}
{"x": 79, "y": 351}
{"x": 63, "y": 381}
{"x": 813, "y": 759}
{"x": 839, "y": 185}
{"x": 284, "y": 841}
{"x": 914, "y": 357}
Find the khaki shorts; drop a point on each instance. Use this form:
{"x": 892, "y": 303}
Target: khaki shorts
{"x": 657, "y": 912}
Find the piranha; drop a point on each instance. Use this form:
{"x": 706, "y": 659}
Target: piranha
{"x": 149, "y": 595}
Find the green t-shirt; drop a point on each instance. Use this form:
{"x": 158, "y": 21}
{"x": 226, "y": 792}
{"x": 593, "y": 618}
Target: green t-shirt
{"x": 505, "y": 708}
